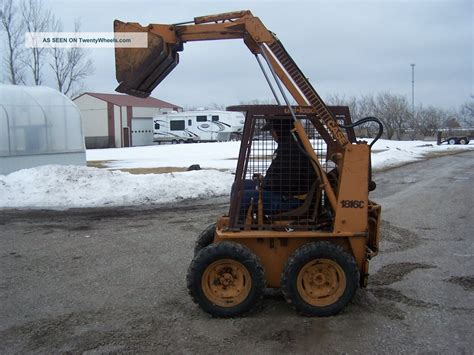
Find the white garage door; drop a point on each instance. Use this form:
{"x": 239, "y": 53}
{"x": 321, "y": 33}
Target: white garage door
{"x": 142, "y": 131}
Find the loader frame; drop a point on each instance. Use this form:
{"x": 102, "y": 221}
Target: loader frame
{"x": 275, "y": 242}
{"x": 250, "y": 249}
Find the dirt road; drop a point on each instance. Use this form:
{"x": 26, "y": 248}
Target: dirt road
{"x": 114, "y": 280}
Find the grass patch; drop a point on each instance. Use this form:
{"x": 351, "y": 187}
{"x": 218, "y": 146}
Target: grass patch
{"x": 104, "y": 164}
{"x": 161, "y": 170}
{"x": 101, "y": 164}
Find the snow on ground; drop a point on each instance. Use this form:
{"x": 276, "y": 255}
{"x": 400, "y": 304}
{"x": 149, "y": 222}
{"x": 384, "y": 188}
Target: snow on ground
{"x": 207, "y": 155}
{"x": 63, "y": 187}
{"x": 386, "y": 154}
{"x": 390, "y": 154}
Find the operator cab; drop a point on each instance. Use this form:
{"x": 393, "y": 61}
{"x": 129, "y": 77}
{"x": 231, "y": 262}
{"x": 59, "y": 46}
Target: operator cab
{"x": 276, "y": 170}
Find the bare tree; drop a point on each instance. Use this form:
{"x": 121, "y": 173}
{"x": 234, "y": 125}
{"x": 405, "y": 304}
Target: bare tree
{"x": 452, "y": 123}
{"x": 429, "y": 120}
{"x": 70, "y": 65}
{"x": 271, "y": 101}
{"x": 413, "y": 125}
{"x": 36, "y": 18}
{"x": 351, "y": 102}
{"x": 10, "y": 22}
{"x": 359, "y": 107}
{"x": 216, "y": 106}
{"x": 466, "y": 113}
{"x": 336, "y": 100}
{"x": 394, "y": 112}
{"x": 397, "y": 118}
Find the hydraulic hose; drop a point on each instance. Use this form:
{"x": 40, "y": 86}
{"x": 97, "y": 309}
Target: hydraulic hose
{"x": 365, "y": 120}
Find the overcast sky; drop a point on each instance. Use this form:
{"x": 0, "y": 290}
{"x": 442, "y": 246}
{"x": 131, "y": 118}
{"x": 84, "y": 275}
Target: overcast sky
{"x": 344, "y": 47}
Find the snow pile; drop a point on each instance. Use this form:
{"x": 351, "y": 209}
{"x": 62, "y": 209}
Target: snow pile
{"x": 55, "y": 186}
{"x": 71, "y": 186}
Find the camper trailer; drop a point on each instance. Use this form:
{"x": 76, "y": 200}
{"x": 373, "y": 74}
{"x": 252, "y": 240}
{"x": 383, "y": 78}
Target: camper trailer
{"x": 197, "y": 126}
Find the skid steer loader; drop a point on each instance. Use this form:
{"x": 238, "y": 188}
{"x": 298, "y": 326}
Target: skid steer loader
{"x": 300, "y": 218}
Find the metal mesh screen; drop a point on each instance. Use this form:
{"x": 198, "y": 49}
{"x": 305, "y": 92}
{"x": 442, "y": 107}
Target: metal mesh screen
{"x": 281, "y": 188}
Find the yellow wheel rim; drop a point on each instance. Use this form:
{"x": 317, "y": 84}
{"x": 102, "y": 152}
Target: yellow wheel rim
{"x": 226, "y": 282}
{"x": 321, "y": 282}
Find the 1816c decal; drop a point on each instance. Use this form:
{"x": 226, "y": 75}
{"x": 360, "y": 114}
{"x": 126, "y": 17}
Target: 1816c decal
{"x": 352, "y": 204}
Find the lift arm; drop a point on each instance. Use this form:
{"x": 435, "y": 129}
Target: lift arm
{"x": 140, "y": 70}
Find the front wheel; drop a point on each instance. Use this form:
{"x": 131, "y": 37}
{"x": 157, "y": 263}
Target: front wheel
{"x": 320, "y": 279}
{"x": 452, "y": 141}
{"x": 226, "y": 280}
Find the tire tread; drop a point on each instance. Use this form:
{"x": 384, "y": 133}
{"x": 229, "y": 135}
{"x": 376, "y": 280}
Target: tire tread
{"x": 205, "y": 238}
{"x": 226, "y": 250}
{"x": 310, "y": 252}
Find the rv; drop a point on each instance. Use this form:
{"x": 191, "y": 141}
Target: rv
{"x": 197, "y": 126}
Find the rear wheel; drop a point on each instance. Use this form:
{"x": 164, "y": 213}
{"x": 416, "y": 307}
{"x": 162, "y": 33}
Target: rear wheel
{"x": 320, "y": 279}
{"x": 462, "y": 141}
{"x": 205, "y": 238}
{"x": 226, "y": 280}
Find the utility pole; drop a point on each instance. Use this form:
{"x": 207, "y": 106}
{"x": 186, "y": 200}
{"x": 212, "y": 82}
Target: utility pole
{"x": 413, "y": 90}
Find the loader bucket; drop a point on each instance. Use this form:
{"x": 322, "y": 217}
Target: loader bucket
{"x": 140, "y": 70}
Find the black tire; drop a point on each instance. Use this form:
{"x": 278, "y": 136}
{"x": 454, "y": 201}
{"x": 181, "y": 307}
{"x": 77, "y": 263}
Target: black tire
{"x": 203, "y": 265}
{"x": 331, "y": 302}
{"x": 452, "y": 141}
{"x": 205, "y": 238}
{"x": 462, "y": 141}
